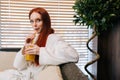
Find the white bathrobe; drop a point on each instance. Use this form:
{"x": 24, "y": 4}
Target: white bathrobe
{"x": 56, "y": 52}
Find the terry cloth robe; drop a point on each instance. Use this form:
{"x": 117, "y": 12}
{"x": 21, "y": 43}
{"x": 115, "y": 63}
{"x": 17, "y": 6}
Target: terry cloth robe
{"x": 56, "y": 52}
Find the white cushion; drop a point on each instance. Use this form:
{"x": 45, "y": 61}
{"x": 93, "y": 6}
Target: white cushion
{"x": 6, "y": 60}
{"x": 51, "y": 73}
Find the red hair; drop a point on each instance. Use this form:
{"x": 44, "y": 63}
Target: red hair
{"x": 46, "y": 29}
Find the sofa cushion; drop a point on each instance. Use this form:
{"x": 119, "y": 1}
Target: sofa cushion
{"x": 51, "y": 73}
{"x": 70, "y": 71}
{"x": 6, "y": 60}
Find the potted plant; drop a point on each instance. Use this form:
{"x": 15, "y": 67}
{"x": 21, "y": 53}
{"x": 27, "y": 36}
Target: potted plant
{"x": 98, "y": 15}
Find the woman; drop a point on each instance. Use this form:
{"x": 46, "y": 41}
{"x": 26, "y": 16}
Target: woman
{"x": 47, "y": 47}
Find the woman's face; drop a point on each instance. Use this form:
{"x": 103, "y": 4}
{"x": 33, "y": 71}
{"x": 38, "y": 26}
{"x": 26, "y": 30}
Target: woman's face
{"x": 36, "y": 21}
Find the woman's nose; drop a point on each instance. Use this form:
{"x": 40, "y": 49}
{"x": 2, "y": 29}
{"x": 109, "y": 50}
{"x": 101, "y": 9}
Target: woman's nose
{"x": 34, "y": 24}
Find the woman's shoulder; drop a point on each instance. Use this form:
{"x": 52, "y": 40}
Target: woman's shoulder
{"x": 54, "y": 36}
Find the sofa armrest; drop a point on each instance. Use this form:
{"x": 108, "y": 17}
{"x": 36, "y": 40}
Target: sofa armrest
{"x": 70, "y": 71}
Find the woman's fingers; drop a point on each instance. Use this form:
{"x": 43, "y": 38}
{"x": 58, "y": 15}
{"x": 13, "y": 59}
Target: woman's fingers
{"x": 29, "y": 38}
{"x": 32, "y": 49}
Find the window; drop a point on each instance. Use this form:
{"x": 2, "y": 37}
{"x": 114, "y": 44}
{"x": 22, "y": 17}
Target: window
{"x": 14, "y": 24}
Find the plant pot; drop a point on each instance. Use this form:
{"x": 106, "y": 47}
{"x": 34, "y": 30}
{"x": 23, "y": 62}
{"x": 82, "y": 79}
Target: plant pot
{"x": 109, "y": 50}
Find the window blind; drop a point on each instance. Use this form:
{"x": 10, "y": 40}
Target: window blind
{"x": 14, "y": 24}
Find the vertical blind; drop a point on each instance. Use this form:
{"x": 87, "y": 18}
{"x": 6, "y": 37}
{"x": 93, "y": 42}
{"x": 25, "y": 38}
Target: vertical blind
{"x": 14, "y": 24}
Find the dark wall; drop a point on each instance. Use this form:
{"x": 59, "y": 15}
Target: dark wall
{"x": 109, "y": 50}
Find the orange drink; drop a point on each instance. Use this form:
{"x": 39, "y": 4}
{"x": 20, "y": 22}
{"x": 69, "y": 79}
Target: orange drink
{"x": 30, "y": 57}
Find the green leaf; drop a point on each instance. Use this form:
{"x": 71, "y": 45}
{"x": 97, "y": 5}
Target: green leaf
{"x": 96, "y": 12}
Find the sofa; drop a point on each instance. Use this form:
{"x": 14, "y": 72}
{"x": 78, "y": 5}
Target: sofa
{"x": 68, "y": 71}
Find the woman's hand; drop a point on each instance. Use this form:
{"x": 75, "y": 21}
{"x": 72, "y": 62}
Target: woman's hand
{"x": 29, "y": 38}
{"x": 31, "y": 49}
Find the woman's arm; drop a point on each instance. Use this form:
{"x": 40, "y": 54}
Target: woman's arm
{"x": 20, "y": 62}
{"x": 56, "y": 52}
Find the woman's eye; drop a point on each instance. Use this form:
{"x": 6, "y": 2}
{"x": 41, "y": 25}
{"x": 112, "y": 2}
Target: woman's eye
{"x": 38, "y": 20}
{"x": 31, "y": 21}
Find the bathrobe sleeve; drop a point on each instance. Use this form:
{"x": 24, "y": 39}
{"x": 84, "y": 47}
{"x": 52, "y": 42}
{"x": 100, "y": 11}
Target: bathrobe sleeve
{"x": 19, "y": 61}
{"x": 57, "y": 51}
